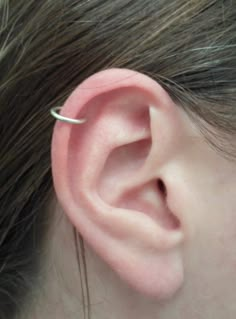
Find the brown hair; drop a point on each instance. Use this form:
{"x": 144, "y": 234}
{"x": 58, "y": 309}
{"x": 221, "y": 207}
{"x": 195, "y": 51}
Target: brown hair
{"x": 48, "y": 47}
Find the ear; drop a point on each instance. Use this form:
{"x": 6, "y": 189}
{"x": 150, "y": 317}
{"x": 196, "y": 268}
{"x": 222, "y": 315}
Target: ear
{"x": 109, "y": 177}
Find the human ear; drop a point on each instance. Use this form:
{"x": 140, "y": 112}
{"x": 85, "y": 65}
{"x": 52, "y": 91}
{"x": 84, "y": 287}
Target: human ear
{"x": 109, "y": 177}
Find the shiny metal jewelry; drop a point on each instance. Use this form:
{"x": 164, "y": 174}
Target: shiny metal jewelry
{"x": 54, "y": 113}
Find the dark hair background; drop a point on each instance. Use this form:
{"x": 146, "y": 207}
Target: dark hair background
{"x": 48, "y": 47}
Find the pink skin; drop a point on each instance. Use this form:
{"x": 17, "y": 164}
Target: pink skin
{"x": 151, "y": 252}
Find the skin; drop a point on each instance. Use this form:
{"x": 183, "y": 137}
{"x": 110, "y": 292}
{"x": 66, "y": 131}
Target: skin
{"x": 194, "y": 219}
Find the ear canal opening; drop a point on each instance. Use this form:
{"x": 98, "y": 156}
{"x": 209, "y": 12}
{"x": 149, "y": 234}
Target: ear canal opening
{"x": 175, "y": 222}
{"x": 162, "y": 187}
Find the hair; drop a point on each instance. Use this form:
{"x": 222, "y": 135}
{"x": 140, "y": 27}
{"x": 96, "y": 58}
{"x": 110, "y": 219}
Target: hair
{"x": 48, "y": 47}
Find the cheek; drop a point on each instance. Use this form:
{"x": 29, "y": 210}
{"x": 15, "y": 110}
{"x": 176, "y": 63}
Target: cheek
{"x": 221, "y": 224}
{"x": 211, "y": 250}
{"x": 227, "y": 238}
{"x": 210, "y": 194}
{"x": 215, "y": 224}
{"x": 202, "y": 192}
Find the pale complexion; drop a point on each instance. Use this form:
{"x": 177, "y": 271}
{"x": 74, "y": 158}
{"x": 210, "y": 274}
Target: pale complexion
{"x": 194, "y": 249}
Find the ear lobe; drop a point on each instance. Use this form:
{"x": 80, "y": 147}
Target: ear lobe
{"x": 105, "y": 177}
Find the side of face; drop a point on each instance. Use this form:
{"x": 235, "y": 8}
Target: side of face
{"x": 207, "y": 199}
{"x": 203, "y": 192}
{"x": 175, "y": 243}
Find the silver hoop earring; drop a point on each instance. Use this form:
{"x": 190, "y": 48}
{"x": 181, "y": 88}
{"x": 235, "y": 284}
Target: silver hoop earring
{"x": 54, "y": 113}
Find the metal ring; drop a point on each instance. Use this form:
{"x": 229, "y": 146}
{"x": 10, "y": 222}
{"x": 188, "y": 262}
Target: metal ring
{"x": 59, "y": 117}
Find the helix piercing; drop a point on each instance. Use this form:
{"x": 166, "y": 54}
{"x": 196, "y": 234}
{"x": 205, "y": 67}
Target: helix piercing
{"x": 54, "y": 113}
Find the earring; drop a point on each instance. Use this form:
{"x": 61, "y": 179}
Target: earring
{"x": 55, "y": 114}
